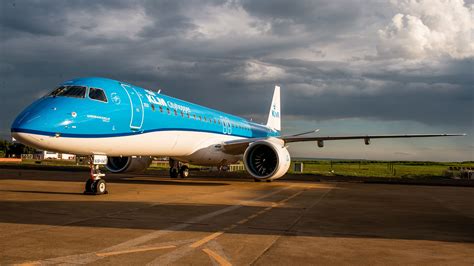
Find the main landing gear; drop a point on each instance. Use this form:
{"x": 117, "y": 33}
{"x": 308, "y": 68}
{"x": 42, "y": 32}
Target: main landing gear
{"x": 95, "y": 185}
{"x": 178, "y": 169}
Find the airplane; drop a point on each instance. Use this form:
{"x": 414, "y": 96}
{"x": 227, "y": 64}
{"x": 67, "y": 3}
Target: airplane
{"x": 123, "y": 127}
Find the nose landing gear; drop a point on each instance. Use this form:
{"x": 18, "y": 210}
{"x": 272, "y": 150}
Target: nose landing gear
{"x": 95, "y": 185}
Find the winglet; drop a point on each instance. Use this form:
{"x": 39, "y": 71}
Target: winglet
{"x": 274, "y": 116}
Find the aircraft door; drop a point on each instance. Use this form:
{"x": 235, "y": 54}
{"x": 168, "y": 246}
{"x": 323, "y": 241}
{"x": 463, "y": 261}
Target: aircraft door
{"x": 136, "y": 106}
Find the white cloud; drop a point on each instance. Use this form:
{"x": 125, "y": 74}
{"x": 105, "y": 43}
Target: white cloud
{"x": 254, "y": 70}
{"x": 428, "y": 28}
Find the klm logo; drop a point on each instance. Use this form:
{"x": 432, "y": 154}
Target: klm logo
{"x": 115, "y": 98}
{"x": 275, "y": 112}
{"x": 156, "y": 100}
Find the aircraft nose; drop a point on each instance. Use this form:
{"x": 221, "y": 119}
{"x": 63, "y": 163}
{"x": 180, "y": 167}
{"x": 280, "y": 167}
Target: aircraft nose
{"x": 26, "y": 122}
{"x": 23, "y": 129}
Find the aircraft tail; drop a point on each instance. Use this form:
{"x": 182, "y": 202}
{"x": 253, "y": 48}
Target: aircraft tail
{"x": 274, "y": 116}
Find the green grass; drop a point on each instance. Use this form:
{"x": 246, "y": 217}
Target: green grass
{"x": 379, "y": 168}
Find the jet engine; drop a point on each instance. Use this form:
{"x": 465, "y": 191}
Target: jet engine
{"x": 127, "y": 164}
{"x": 267, "y": 159}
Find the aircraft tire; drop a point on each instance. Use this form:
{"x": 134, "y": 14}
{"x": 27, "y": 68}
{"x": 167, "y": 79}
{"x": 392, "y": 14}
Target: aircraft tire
{"x": 99, "y": 187}
{"x": 88, "y": 186}
{"x": 184, "y": 171}
{"x": 173, "y": 172}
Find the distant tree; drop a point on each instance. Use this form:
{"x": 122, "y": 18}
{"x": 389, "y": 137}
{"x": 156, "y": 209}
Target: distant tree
{"x": 10, "y": 149}
{"x": 3, "y": 147}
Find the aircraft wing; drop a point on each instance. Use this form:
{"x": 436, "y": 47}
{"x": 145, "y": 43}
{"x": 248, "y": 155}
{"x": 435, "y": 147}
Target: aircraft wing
{"x": 366, "y": 137}
{"x": 239, "y": 146}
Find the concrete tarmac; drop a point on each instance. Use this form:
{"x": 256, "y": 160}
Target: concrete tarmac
{"x": 45, "y": 219}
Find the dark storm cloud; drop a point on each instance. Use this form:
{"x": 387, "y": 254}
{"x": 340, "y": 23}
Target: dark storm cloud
{"x": 162, "y": 45}
{"x": 48, "y": 18}
{"x": 321, "y": 17}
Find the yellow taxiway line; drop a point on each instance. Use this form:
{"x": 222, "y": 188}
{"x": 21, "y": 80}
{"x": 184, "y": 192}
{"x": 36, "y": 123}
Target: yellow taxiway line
{"x": 106, "y": 254}
{"x": 217, "y": 257}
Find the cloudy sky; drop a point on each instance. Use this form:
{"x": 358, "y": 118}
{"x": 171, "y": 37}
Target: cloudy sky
{"x": 346, "y": 67}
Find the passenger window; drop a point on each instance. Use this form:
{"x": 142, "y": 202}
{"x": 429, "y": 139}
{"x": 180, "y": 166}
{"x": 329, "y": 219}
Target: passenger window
{"x": 153, "y": 107}
{"x": 168, "y": 110}
{"x": 194, "y": 116}
{"x": 188, "y": 115}
{"x": 182, "y": 114}
{"x": 161, "y": 109}
{"x": 97, "y": 94}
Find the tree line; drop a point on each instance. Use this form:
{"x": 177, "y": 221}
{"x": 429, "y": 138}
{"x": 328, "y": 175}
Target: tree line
{"x": 14, "y": 149}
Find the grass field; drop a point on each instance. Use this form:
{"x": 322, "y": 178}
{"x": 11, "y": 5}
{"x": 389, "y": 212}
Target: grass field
{"x": 379, "y": 168}
{"x": 401, "y": 169}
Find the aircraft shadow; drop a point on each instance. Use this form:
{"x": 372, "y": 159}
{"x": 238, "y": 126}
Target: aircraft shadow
{"x": 323, "y": 222}
{"x": 41, "y": 192}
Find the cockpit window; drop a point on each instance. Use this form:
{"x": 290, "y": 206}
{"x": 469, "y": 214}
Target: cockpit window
{"x": 97, "y": 94}
{"x": 70, "y": 91}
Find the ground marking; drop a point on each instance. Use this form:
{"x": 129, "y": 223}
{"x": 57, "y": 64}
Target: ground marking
{"x": 294, "y": 223}
{"x": 106, "y": 254}
{"x": 33, "y": 263}
{"x": 230, "y": 227}
{"x": 243, "y": 221}
{"x": 90, "y": 257}
{"x": 216, "y": 234}
{"x": 290, "y": 197}
{"x": 205, "y": 239}
{"x": 252, "y": 216}
{"x": 217, "y": 257}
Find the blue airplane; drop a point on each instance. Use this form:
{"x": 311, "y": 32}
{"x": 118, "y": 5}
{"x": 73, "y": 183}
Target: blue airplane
{"x": 123, "y": 126}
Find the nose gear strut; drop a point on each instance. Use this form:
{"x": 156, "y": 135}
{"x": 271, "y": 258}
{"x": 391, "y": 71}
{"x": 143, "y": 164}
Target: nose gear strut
{"x": 95, "y": 185}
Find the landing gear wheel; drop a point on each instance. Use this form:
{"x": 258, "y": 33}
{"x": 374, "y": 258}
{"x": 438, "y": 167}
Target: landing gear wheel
{"x": 184, "y": 171}
{"x": 88, "y": 187}
{"x": 99, "y": 187}
{"x": 257, "y": 180}
{"x": 173, "y": 172}
{"x": 95, "y": 185}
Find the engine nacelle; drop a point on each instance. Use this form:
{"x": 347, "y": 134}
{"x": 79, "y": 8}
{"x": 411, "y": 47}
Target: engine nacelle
{"x": 127, "y": 164}
{"x": 267, "y": 159}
